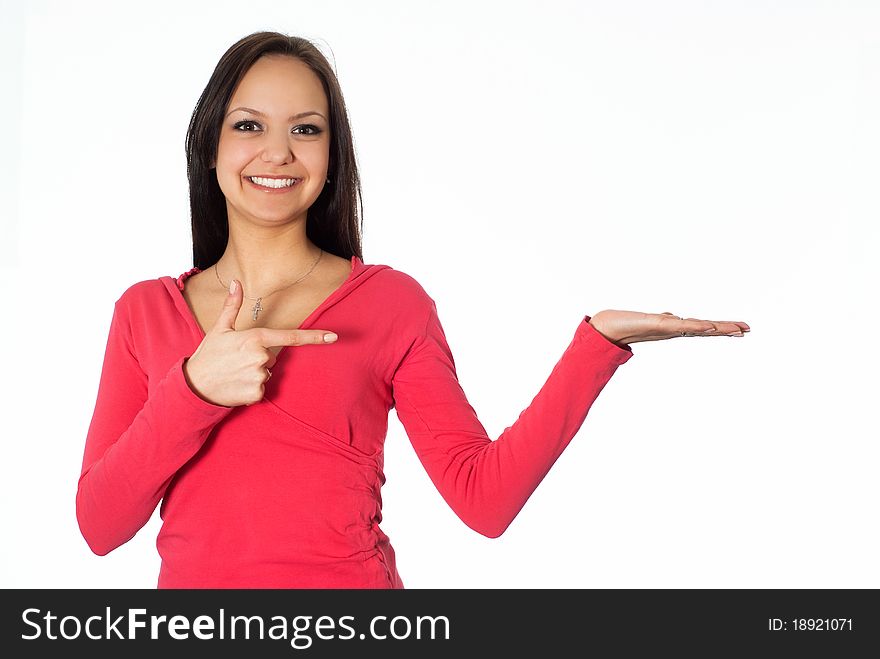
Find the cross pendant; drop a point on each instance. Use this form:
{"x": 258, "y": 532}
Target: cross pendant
{"x": 257, "y": 308}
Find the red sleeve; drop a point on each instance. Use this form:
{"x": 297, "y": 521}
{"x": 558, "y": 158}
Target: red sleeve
{"x": 488, "y": 482}
{"x": 135, "y": 442}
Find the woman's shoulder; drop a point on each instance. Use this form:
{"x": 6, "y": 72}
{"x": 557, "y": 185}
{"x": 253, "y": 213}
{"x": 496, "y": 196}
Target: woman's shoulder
{"x": 147, "y": 291}
{"x": 400, "y": 281}
{"x": 402, "y": 291}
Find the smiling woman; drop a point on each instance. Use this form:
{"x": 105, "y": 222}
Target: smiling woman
{"x": 272, "y": 108}
{"x": 278, "y": 484}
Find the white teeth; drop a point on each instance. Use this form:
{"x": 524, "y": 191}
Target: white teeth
{"x": 273, "y": 182}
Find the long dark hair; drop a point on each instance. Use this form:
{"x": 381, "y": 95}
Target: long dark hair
{"x": 332, "y": 220}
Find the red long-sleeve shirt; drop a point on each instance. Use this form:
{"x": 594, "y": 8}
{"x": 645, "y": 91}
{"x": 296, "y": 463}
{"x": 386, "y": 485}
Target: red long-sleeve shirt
{"x": 285, "y": 493}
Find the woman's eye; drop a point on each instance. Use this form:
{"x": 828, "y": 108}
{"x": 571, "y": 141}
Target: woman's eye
{"x": 239, "y": 124}
{"x": 314, "y": 130}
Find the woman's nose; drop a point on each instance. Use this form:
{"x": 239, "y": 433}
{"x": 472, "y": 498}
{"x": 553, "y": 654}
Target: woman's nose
{"x": 277, "y": 150}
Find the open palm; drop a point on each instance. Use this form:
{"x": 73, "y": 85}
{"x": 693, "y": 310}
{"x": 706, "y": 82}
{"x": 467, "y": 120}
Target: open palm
{"x": 625, "y": 327}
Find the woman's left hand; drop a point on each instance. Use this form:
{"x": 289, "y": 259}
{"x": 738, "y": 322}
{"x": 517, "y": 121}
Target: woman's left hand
{"x": 624, "y": 327}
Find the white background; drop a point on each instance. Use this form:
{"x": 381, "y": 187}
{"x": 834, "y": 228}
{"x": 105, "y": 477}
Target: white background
{"x": 528, "y": 163}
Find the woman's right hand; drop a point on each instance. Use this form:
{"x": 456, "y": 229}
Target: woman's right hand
{"x": 229, "y": 366}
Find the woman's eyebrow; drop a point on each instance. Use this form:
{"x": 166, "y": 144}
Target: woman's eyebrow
{"x": 291, "y": 118}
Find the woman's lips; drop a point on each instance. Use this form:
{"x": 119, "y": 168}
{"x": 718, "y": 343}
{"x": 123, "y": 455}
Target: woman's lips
{"x": 276, "y": 190}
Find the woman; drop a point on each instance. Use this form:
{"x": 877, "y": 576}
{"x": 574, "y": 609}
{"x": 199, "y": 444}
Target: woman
{"x": 251, "y": 393}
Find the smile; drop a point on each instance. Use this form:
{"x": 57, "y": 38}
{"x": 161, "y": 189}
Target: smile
{"x": 273, "y": 184}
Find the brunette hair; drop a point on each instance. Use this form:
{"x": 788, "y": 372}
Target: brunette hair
{"x": 332, "y": 220}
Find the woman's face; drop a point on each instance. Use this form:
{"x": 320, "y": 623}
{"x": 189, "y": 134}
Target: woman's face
{"x": 284, "y": 133}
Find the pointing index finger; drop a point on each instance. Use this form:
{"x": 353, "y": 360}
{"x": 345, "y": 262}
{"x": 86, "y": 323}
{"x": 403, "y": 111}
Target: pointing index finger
{"x": 296, "y": 337}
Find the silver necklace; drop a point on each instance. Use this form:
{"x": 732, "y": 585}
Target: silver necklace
{"x": 257, "y": 308}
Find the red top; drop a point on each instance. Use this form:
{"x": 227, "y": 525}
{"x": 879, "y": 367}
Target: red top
{"x": 285, "y": 493}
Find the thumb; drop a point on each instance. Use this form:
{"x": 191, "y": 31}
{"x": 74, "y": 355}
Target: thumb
{"x": 231, "y": 307}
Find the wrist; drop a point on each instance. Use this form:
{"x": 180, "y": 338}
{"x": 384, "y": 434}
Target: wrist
{"x": 596, "y": 323}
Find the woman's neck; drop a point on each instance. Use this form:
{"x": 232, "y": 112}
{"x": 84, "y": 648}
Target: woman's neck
{"x": 264, "y": 264}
